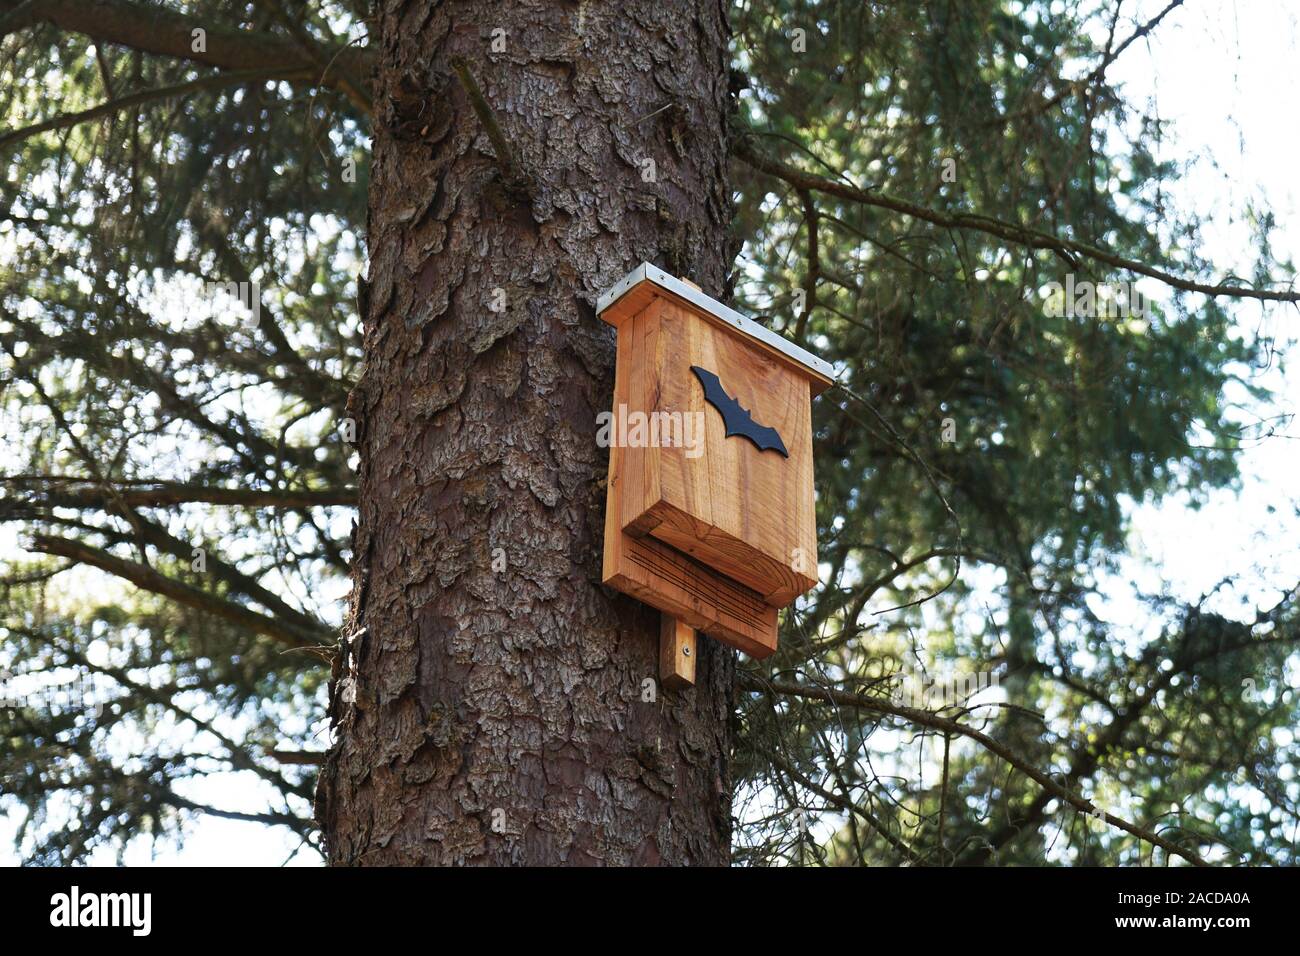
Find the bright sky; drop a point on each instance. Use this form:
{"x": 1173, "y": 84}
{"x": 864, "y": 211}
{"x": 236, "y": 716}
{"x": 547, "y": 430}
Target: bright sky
{"x": 1226, "y": 73}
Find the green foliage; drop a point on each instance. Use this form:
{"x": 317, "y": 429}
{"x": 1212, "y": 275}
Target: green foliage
{"x": 1059, "y": 422}
{"x": 125, "y": 371}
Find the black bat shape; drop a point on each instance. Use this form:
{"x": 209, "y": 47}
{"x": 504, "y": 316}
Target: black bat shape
{"x": 738, "y": 421}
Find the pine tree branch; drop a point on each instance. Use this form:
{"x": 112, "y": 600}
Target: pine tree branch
{"x": 298, "y": 824}
{"x": 16, "y": 17}
{"x": 236, "y": 580}
{"x": 159, "y": 537}
{"x": 166, "y": 494}
{"x": 215, "y": 81}
{"x": 946, "y": 725}
{"x": 244, "y": 440}
{"x": 239, "y": 757}
{"x": 151, "y": 29}
{"x": 845, "y": 804}
{"x": 1075, "y": 86}
{"x": 148, "y": 579}
{"x": 1086, "y": 761}
{"x": 745, "y": 150}
{"x": 347, "y": 84}
{"x": 302, "y": 758}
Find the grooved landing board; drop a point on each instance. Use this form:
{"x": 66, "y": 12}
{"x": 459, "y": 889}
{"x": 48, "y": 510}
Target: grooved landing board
{"x": 665, "y": 579}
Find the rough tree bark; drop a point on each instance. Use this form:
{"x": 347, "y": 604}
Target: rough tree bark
{"x": 496, "y": 716}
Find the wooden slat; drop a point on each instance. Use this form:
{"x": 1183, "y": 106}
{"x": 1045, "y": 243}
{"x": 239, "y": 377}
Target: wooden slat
{"x": 669, "y": 581}
{"x": 677, "y": 650}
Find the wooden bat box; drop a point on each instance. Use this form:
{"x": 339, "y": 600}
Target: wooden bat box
{"x": 710, "y": 502}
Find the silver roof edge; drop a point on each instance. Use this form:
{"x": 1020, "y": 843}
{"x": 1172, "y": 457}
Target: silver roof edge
{"x": 670, "y": 283}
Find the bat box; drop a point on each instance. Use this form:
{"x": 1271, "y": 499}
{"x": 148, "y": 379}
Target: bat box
{"x": 710, "y": 501}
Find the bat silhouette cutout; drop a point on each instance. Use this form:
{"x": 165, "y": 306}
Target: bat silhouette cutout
{"x": 738, "y": 421}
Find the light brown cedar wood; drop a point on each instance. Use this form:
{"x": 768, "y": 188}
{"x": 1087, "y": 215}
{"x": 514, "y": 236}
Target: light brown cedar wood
{"x": 745, "y": 512}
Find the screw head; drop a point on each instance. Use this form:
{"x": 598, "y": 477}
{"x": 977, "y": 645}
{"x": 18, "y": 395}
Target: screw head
{"x": 686, "y": 651}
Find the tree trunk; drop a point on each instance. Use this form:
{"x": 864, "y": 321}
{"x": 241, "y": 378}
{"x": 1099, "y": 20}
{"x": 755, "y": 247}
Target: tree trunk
{"x": 493, "y": 708}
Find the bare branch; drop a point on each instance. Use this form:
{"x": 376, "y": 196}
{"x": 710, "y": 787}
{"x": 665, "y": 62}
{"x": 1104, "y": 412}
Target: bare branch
{"x": 745, "y": 150}
{"x": 152, "y": 29}
{"x": 148, "y": 579}
{"x": 166, "y": 494}
{"x": 299, "y": 757}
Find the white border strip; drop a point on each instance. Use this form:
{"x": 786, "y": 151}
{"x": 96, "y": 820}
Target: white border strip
{"x": 646, "y": 272}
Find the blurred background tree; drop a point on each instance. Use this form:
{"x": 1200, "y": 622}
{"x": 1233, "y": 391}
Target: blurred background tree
{"x": 908, "y": 179}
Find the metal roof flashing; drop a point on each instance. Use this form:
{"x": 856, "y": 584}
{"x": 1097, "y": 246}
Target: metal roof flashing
{"x": 817, "y": 369}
